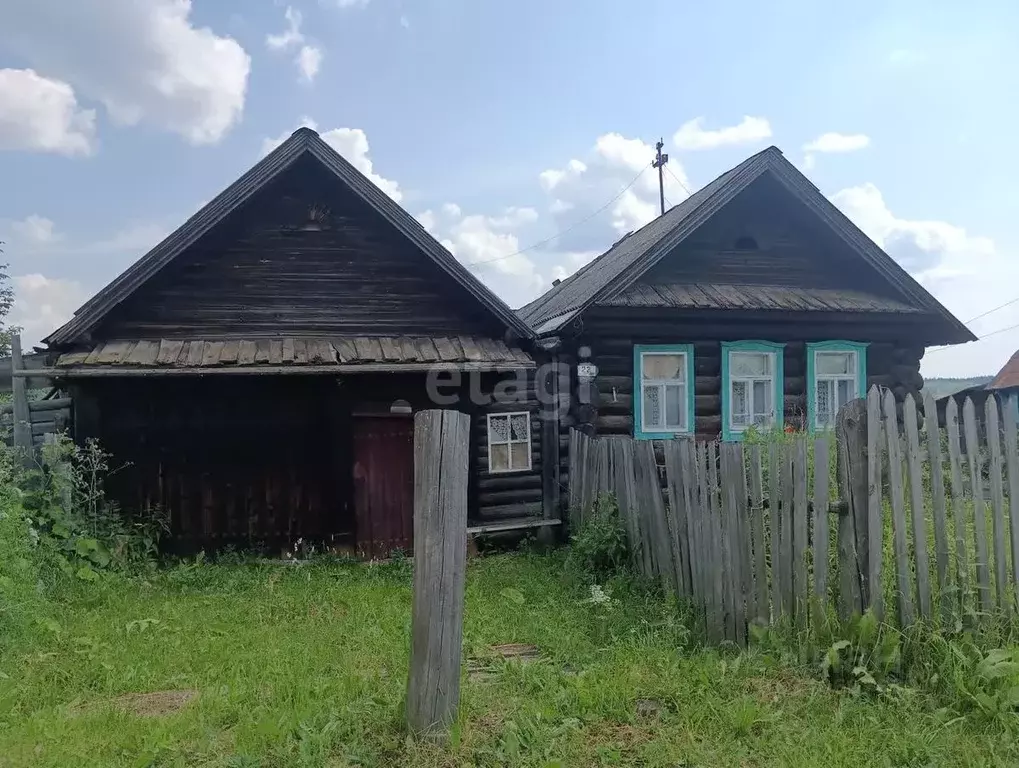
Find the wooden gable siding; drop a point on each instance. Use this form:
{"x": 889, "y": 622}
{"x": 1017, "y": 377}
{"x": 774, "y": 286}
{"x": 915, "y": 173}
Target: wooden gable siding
{"x": 259, "y": 274}
{"x": 793, "y": 249}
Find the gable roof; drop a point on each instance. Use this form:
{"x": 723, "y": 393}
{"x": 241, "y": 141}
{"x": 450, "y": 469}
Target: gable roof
{"x": 304, "y": 141}
{"x": 622, "y": 265}
{"x": 1008, "y": 376}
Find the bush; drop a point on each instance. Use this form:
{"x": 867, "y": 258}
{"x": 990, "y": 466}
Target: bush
{"x": 80, "y": 532}
{"x": 600, "y": 549}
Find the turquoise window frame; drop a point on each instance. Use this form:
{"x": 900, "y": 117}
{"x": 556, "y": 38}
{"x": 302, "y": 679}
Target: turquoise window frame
{"x": 778, "y": 349}
{"x": 638, "y": 390}
{"x": 837, "y": 345}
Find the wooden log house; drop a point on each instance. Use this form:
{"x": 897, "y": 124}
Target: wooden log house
{"x": 257, "y": 372}
{"x": 753, "y": 303}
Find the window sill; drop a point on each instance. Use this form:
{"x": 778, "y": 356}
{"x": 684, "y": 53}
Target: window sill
{"x": 503, "y": 472}
{"x": 660, "y": 435}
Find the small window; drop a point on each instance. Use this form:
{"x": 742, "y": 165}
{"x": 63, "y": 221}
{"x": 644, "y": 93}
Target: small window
{"x": 662, "y": 385}
{"x": 746, "y": 243}
{"x": 509, "y": 442}
{"x": 836, "y": 372}
{"x": 752, "y": 387}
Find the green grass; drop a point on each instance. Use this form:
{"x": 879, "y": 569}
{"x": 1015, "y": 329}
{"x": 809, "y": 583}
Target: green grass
{"x": 306, "y": 666}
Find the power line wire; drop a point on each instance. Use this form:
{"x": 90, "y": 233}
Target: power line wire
{"x": 985, "y": 336}
{"x": 678, "y": 180}
{"x": 988, "y": 312}
{"x": 562, "y": 232}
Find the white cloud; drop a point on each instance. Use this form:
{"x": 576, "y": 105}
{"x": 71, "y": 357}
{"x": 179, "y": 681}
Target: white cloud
{"x": 966, "y": 272}
{"x": 35, "y": 229}
{"x": 309, "y": 57}
{"x": 352, "y": 143}
{"x": 42, "y": 304}
{"x": 693, "y": 136}
{"x": 291, "y": 36}
{"x": 597, "y": 187}
{"x": 834, "y": 143}
{"x": 309, "y": 60}
{"x": 42, "y": 115}
{"x": 405, "y": 22}
{"x": 144, "y": 61}
{"x": 490, "y": 247}
{"x": 838, "y": 142}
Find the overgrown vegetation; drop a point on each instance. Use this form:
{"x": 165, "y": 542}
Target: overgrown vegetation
{"x": 304, "y": 665}
{"x": 77, "y": 530}
{"x": 600, "y": 549}
{"x": 108, "y": 660}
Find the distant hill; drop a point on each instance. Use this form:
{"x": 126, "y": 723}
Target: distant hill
{"x": 942, "y": 387}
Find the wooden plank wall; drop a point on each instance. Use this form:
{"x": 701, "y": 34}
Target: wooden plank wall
{"x": 46, "y": 417}
{"x": 766, "y": 533}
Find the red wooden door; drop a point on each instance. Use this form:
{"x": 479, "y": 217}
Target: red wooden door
{"x": 383, "y": 484}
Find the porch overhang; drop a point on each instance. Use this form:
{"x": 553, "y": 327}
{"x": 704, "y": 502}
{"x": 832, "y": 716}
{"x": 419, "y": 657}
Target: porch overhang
{"x": 290, "y": 356}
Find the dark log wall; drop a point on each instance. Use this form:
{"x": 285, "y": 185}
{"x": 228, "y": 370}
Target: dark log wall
{"x": 893, "y": 364}
{"x": 264, "y": 460}
{"x": 792, "y": 249}
{"x": 502, "y": 495}
{"x": 245, "y": 462}
{"x": 259, "y": 274}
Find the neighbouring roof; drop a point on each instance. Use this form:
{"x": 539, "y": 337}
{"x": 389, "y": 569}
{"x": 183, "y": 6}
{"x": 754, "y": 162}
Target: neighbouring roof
{"x": 298, "y": 354}
{"x": 1008, "y": 376}
{"x": 725, "y": 296}
{"x": 614, "y": 272}
{"x": 304, "y": 141}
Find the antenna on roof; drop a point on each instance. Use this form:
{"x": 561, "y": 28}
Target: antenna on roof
{"x": 659, "y": 163}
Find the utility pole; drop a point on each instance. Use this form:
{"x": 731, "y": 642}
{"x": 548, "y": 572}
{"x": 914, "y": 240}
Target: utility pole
{"x": 659, "y": 163}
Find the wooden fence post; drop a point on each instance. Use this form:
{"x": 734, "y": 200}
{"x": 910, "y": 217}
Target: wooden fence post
{"x": 22, "y": 415}
{"x": 441, "y": 440}
{"x": 851, "y": 436}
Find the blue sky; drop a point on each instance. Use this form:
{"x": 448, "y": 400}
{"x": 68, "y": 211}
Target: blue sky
{"x": 503, "y": 124}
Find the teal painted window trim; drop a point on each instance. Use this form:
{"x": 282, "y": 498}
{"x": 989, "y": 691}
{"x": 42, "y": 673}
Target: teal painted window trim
{"x": 638, "y": 391}
{"x": 859, "y": 348}
{"x": 778, "y": 395}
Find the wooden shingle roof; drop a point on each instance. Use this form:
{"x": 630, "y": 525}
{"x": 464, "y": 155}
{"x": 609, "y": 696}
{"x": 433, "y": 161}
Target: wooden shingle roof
{"x": 337, "y": 354}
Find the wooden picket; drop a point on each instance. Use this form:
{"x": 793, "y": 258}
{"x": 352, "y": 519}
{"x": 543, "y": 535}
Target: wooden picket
{"x": 744, "y": 532}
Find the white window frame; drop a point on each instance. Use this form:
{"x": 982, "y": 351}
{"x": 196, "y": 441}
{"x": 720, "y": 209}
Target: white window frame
{"x": 509, "y": 442}
{"x": 749, "y": 381}
{"x": 661, "y": 384}
{"x": 857, "y": 371}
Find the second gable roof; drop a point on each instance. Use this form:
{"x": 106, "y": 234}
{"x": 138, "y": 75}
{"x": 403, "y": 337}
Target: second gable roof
{"x": 623, "y": 264}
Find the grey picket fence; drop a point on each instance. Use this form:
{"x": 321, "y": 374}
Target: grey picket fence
{"x": 891, "y": 509}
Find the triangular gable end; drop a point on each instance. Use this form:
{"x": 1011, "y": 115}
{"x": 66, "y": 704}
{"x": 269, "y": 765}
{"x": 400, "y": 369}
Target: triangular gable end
{"x": 304, "y": 143}
{"x": 629, "y": 260}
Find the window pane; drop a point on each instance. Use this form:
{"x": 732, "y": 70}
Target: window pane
{"x": 750, "y": 364}
{"x": 499, "y": 460}
{"x": 846, "y": 391}
{"x": 834, "y": 363}
{"x": 762, "y": 398}
{"x": 674, "y": 394}
{"x": 519, "y": 426}
{"x": 518, "y": 455}
{"x": 824, "y": 403}
{"x": 498, "y": 429}
{"x": 664, "y": 366}
{"x": 653, "y": 406}
{"x": 740, "y": 404}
